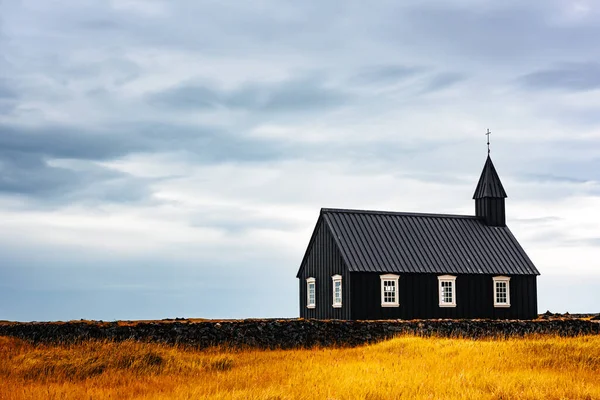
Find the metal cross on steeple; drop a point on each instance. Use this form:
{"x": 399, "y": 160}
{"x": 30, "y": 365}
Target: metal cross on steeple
{"x": 488, "y": 140}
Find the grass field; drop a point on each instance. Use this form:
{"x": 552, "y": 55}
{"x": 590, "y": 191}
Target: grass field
{"x": 403, "y": 368}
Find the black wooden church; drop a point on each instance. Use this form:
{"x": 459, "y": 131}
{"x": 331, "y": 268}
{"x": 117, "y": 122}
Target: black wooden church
{"x": 389, "y": 265}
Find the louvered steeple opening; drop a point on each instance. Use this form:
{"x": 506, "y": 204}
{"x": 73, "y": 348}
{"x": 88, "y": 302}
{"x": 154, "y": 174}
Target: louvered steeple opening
{"x": 489, "y": 196}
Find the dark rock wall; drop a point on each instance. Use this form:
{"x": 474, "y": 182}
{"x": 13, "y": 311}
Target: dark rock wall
{"x": 291, "y": 333}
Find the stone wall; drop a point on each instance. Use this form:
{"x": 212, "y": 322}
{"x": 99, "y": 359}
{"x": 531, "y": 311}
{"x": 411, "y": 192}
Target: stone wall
{"x": 286, "y": 333}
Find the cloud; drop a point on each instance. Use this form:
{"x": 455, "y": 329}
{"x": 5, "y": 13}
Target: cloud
{"x": 8, "y": 96}
{"x": 487, "y": 34}
{"x": 60, "y": 165}
{"x": 385, "y": 74}
{"x": 101, "y": 24}
{"x": 297, "y": 95}
{"x": 65, "y": 142}
{"x": 187, "y": 97}
{"x": 6, "y": 92}
{"x": 592, "y": 242}
{"x": 538, "y": 220}
{"x": 569, "y": 77}
{"x": 167, "y": 150}
{"x": 242, "y": 222}
{"x": 443, "y": 81}
{"x": 206, "y": 144}
{"x": 35, "y": 178}
{"x": 553, "y": 178}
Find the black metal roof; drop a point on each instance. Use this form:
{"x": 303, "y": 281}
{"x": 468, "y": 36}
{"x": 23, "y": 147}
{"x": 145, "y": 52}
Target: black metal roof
{"x": 489, "y": 184}
{"x": 377, "y": 241}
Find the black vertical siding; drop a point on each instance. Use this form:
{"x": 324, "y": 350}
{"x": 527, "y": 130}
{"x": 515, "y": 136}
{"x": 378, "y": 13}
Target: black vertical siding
{"x": 492, "y": 210}
{"x": 322, "y": 262}
{"x": 419, "y": 298}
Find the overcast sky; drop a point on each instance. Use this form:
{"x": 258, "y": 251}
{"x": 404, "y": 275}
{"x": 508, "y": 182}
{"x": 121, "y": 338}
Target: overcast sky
{"x": 169, "y": 158}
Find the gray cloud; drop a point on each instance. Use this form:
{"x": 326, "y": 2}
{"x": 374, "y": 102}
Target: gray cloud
{"x": 570, "y": 77}
{"x": 237, "y": 223}
{"x": 539, "y": 220}
{"x": 437, "y": 177}
{"x": 552, "y": 178}
{"x": 119, "y": 69}
{"x": 110, "y": 22}
{"x": 66, "y": 142}
{"x": 553, "y": 237}
{"x": 8, "y": 96}
{"x": 6, "y": 92}
{"x": 592, "y": 242}
{"x": 32, "y": 176}
{"x": 25, "y": 154}
{"x": 442, "y": 81}
{"x": 206, "y": 144}
{"x": 385, "y": 74}
{"x": 471, "y": 33}
{"x": 29, "y": 174}
{"x": 289, "y": 96}
{"x": 187, "y": 97}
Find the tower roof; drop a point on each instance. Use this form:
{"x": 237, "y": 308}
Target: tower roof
{"x": 489, "y": 184}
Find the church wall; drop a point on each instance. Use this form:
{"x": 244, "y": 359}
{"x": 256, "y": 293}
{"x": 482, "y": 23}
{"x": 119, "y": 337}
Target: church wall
{"x": 419, "y": 298}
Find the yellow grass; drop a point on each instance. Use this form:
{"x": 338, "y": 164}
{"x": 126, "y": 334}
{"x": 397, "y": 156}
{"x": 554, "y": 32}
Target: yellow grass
{"x": 403, "y": 368}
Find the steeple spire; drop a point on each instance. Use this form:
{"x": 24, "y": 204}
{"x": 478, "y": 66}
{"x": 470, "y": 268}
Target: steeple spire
{"x": 489, "y": 184}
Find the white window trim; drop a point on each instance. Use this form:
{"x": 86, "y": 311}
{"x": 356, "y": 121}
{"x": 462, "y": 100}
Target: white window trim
{"x": 502, "y": 279}
{"x": 447, "y": 278}
{"x": 334, "y": 279}
{"x": 389, "y": 277}
{"x": 310, "y": 281}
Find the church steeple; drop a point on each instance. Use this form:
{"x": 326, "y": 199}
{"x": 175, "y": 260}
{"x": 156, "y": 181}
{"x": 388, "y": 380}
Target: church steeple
{"x": 489, "y": 196}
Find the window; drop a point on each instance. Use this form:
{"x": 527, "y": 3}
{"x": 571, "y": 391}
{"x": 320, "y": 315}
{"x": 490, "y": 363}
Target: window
{"x": 389, "y": 290}
{"x": 501, "y": 291}
{"x": 337, "y": 290}
{"x": 310, "y": 293}
{"x": 447, "y": 285}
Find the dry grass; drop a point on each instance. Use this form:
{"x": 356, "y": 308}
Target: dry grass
{"x": 404, "y": 368}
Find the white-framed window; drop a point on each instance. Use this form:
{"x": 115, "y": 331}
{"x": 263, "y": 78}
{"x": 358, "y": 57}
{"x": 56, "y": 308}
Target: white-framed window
{"x": 447, "y": 289}
{"x": 311, "y": 293}
{"x": 501, "y": 291}
{"x": 389, "y": 290}
{"x": 337, "y": 290}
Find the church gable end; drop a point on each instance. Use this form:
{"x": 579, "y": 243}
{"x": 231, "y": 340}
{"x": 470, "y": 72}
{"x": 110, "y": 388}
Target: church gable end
{"x": 323, "y": 261}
